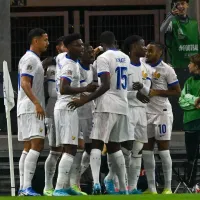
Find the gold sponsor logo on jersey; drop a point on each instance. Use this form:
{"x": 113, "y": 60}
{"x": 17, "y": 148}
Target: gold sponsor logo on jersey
{"x": 156, "y": 75}
{"x": 41, "y": 129}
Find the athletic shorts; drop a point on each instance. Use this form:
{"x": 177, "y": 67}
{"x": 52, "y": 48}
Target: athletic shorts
{"x": 30, "y": 127}
{"x": 67, "y": 127}
{"x": 85, "y": 126}
{"x": 110, "y": 127}
{"x": 159, "y": 126}
{"x": 138, "y": 124}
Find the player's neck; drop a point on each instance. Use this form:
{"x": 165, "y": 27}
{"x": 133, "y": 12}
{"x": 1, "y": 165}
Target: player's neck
{"x": 35, "y": 50}
{"x": 111, "y": 47}
{"x": 135, "y": 60}
{"x": 73, "y": 57}
{"x": 155, "y": 63}
{"x": 85, "y": 64}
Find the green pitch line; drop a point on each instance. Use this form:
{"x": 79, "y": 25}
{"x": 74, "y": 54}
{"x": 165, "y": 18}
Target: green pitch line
{"x": 109, "y": 197}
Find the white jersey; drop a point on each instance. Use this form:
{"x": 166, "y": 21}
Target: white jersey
{"x": 163, "y": 76}
{"x": 138, "y": 73}
{"x": 116, "y": 63}
{"x": 31, "y": 66}
{"x": 51, "y": 70}
{"x": 68, "y": 69}
{"x": 86, "y": 77}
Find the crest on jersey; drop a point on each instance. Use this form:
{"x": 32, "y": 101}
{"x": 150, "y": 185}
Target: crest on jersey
{"x": 73, "y": 137}
{"x": 144, "y": 75}
{"x": 69, "y": 72}
{"x": 156, "y": 75}
{"x": 29, "y": 68}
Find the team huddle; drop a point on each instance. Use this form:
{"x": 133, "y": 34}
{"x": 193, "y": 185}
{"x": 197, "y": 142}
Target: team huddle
{"x": 118, "y": 101}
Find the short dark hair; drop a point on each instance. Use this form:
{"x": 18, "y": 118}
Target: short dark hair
{"x": 59, "y": 40}
{"x": 175, "y": 1}
{"x": 87, "y": 46}
{"x": 70, "y": 38}
{"x": 36, "y": 32}
{"x": 107, "y": 38}
{"x": 195, "y": 59}
{"x": 129, "y": 41}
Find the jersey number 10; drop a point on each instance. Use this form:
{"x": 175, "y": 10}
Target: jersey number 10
{"x": 121, "y": 77}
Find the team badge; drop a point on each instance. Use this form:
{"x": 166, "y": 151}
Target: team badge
{"x": 41, "y": 129}
{"x": 69, "y": 72}
{"x": 144, "y": 75}
{"x": 156, "y": 75}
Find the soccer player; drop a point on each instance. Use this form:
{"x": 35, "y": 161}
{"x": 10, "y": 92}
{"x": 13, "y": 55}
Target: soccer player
{"x": 66, "y": 119}
{"x": 55, "y": 152}
{"x": 138, "y": 89}
{"x": 159, "y": 117}
{"x": 110, "y": 117}
{"x": 30, "y": 108}
{"x": 85, "y": 119}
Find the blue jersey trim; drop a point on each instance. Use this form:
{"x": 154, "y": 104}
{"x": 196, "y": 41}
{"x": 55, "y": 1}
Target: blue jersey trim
{"x": 68, "y": 57}
{"x": 29, "y": 75}
{"x": 82, "y": 81}
{"x": 33, "y": 53}
{"x": 51, "y": 80}
{"x": 174, "y": 83}
{"x": 136, "y": 64}
{"x": 68, "y": 79}
{"x": 100, "y": 73}
{"x": 156, "y": 64}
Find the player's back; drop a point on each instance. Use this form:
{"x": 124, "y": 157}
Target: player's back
{"x": 30, "y": 65}
{"x": 68, "y": 69}
{"x": 116, "y": 63}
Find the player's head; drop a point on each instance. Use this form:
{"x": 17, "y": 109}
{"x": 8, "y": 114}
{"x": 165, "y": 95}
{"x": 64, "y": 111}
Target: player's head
{"x": 181, "y": 5}
{"x": 107, "y": 40}
{"x": 154, "y": 52}
{"x": 194, "y": 65}
{"x": 60, "y": 47}
{"x": 38, "y": 38}
{"x": 74, "y": 44}
{"x": 134, "y": 46}
{"x": 88, "y": 54}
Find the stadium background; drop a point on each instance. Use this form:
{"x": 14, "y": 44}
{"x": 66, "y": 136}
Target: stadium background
{"x": 90, "y": 18}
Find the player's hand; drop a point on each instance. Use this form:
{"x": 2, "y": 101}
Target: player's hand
{"x": 91, "y": 88}
{"x": 152, "y": 93}
{"x": 197, "y": 103}
{"x": 77, "y": 102}
{"x": 39, "y": 111}
{"x": 137, "y": 86}
{"x": 141, "y": 97}
{"x": 175, "y": 12}
{"x": 97, "y": 50}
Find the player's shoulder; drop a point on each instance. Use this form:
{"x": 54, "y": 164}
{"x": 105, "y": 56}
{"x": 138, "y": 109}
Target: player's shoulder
{"x": 29, "y": 58}
{"x": 51, "y": 68}
{"x": 60, "y": 56}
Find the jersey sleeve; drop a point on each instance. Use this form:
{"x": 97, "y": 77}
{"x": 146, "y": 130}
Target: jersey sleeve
{"x": 94, "y": 71}
{"x": 102, "y": 66}
{"x": 51, "y": 71}
{"x": 171, "y": 77}
{"x": 83, "y": 78}
{"x": 29, "y": 68}
{"x": 51, "y": 81}
{"x": 67, "y": 72}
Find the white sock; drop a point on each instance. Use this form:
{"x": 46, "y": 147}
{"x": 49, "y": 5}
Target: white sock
{"x": 76, "y": 169}
{"x": 127, "y": 157}
{"x": 95, "y": 163}
{"x": 21, "y": 169}
{"x": 85, "y": 162}
{"x": 63, "y": 171}
{"x": 50, "y": 168}
{"x": 134, "y": 172}
{"x": 112, "y": 170}
{"x": 135, "y": 165}
{"x": 149, "y": 166}
{"x": 117, "y": 159}
{"x": 30, "y": 164}
{"x": 167, "y": 167}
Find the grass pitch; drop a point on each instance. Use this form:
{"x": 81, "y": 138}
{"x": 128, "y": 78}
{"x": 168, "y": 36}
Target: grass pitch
{"x": 120, "y": 197}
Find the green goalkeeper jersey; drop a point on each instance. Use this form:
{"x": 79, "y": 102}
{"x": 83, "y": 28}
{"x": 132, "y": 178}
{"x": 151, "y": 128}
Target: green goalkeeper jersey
{"x": 189, "y": 94}
{"x": 183, "y": 43}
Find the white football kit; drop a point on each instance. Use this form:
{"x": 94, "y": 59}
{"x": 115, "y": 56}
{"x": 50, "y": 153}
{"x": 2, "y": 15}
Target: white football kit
{"x": 110, "y": 116}
{"x": 29, "y": 126}
{"x": 85, "y": 112}
{"x": 66, "y": 120}
{"x": 159, "y": 110}
{"x": 137, "y": 110}
{"x": 49, "y": 120}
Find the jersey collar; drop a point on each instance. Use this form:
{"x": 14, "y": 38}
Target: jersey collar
{"x": 156, "y": 64}
{"x": 68, "y": 57}
{"x": 85, "y": 68}
{"x": 33, "y": 53}
{"x": 136, "y": 64}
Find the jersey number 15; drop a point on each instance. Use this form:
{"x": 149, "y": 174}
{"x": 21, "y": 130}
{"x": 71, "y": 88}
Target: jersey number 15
{"x": 121, "y": 77}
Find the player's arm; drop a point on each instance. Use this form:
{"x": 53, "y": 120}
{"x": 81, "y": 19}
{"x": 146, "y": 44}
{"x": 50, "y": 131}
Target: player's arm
{"x": 65, "y": 83}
